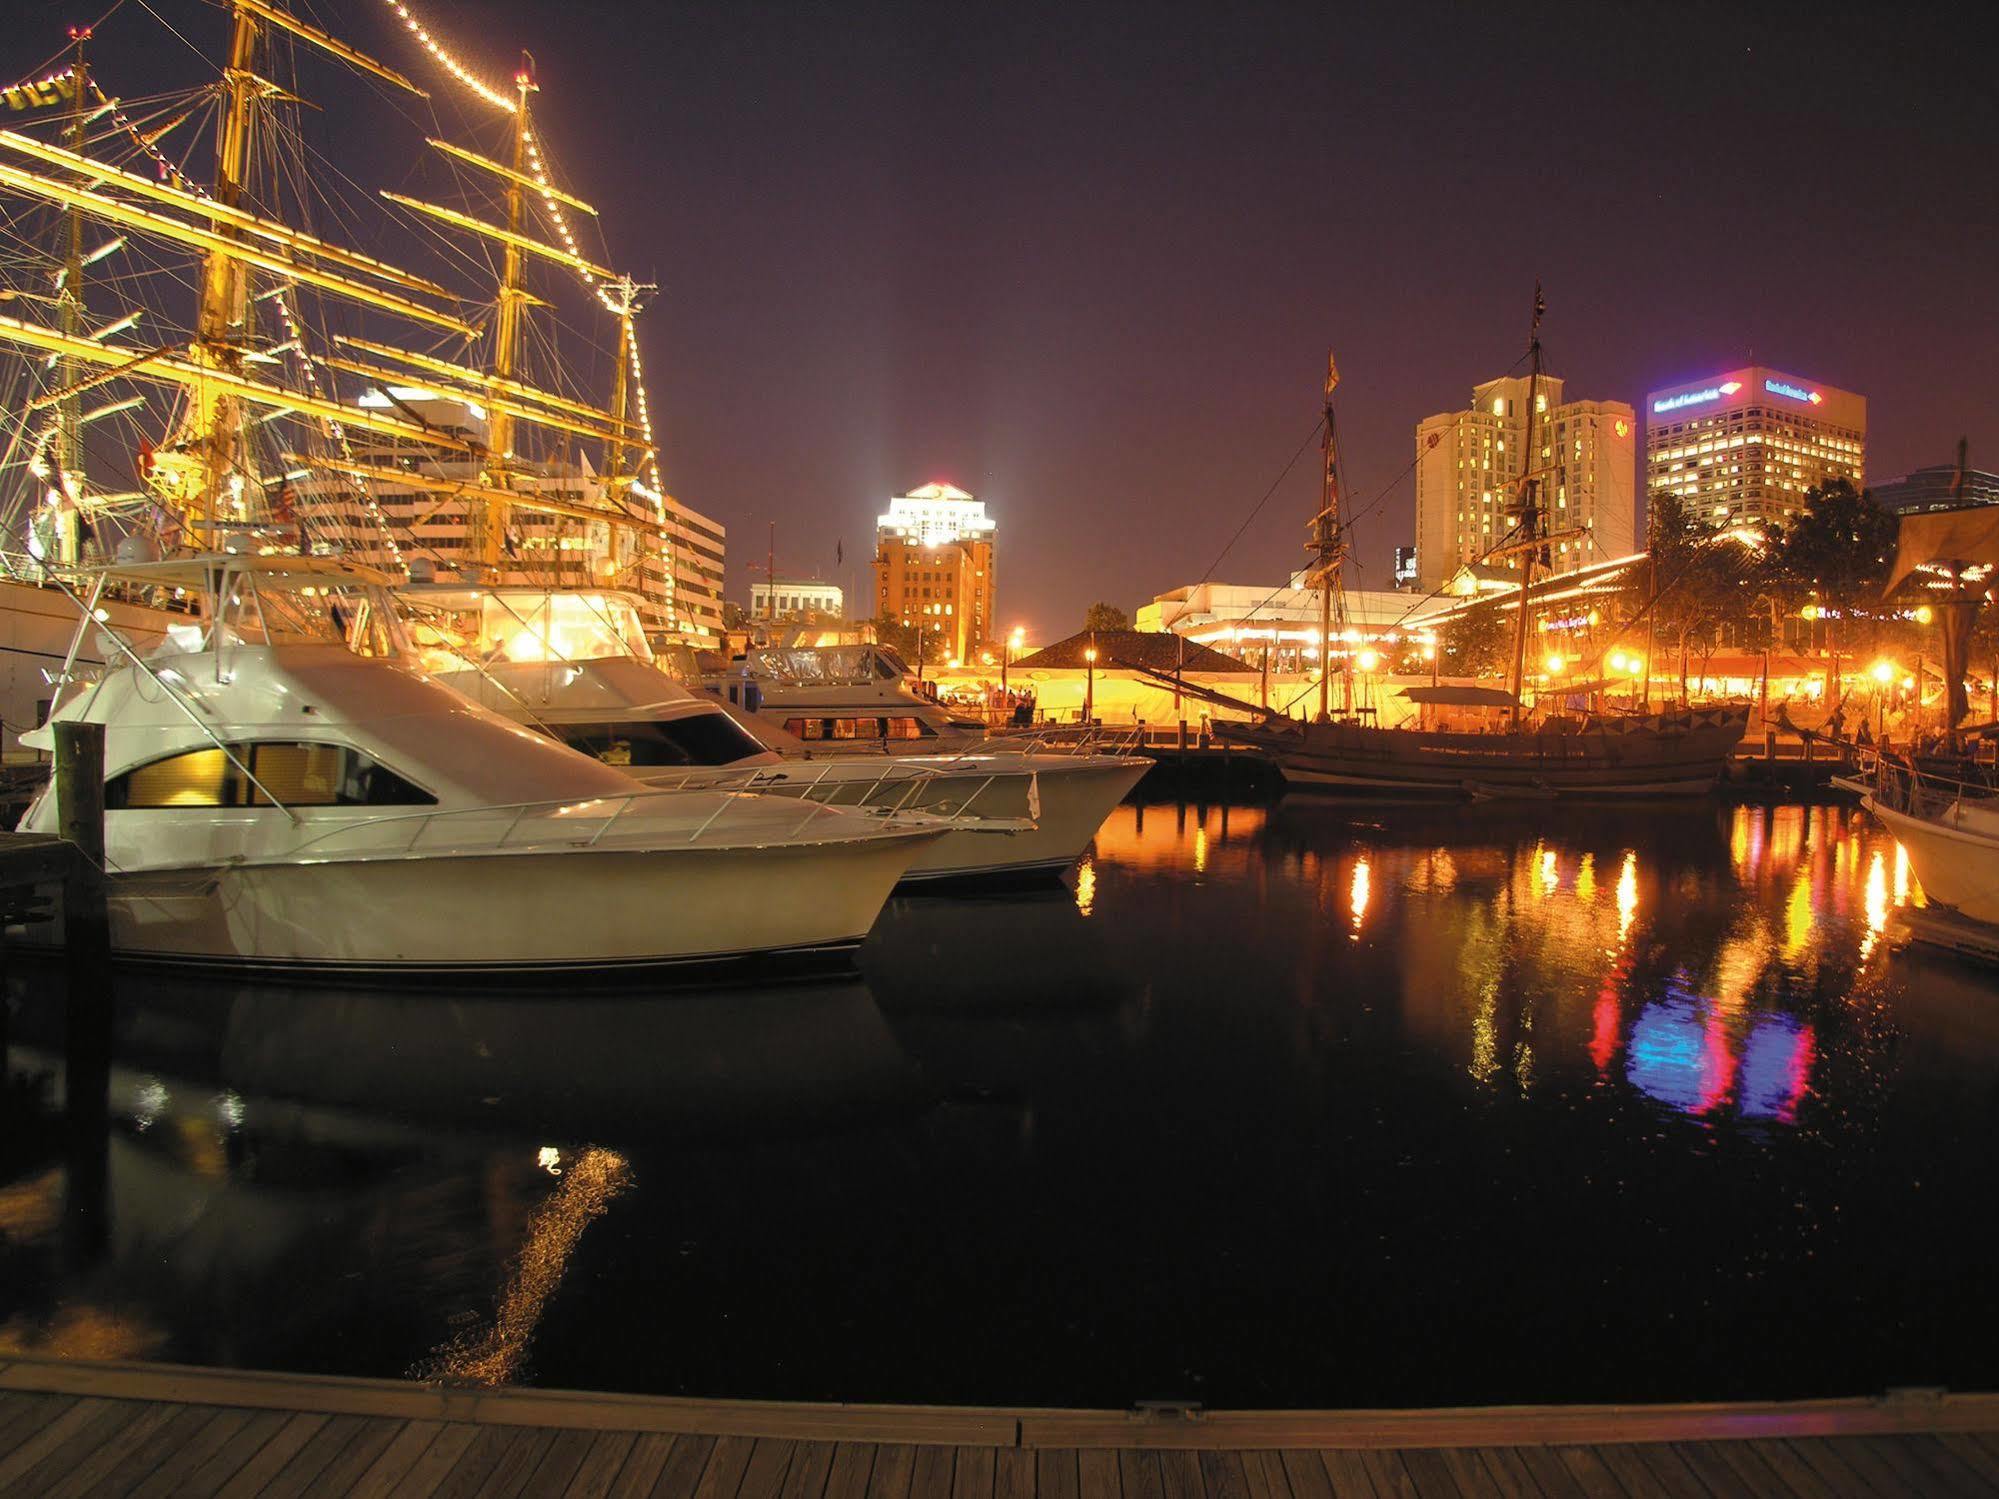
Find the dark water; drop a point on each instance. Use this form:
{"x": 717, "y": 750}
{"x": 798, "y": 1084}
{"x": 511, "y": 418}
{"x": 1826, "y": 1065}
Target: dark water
{"x": 1303, "y": 1105}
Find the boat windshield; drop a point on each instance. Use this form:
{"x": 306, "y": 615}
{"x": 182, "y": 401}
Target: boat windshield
{"x": 560, "y": 627}
{"x": 830, "y": 664}
{"x": 253, "y": 610}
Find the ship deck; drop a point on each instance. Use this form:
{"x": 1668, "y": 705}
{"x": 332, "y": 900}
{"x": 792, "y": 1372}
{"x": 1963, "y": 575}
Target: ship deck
{"x": 142, "y": 1429}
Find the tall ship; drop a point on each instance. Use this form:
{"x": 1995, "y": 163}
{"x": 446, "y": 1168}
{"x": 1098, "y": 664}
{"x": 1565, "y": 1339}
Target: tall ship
{"x": 213, "y": 338}
{"x": 1508, "y": 750}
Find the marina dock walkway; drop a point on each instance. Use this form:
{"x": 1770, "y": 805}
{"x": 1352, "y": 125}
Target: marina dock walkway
{"x": 102, "y": 1429}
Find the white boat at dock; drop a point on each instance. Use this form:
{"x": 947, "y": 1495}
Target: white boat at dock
{"x": 287, "y": 789}
{"x": 577, "y": 665}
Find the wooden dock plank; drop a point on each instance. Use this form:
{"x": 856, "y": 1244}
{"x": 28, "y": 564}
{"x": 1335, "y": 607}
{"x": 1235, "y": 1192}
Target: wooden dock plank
{"x": 1973, "y": 1454}
{"x": 103, "y": 1426}
{"x": 1346, "y": 1473}
{"x": 382, "y": 1475}
{"x": 895, "y": 1468}
{"x": 1180, "y": 1475}
{"x": 1263, "y": 1470}
{"x": 1429, "y": 1475}
{"x": 1223, "y": 1474}
{"x": 40, "y": 1444}
{"x": 1591, "y": 1473}
{"x": 253, "y": 1476}
{"x": 144, "y": 1458}
{"x": 1832, "y": 1470}
{"x": 516, "y": 1465}
{"x": 443, "y": 1454}
{"x": 852, "y": 1470}
{"x": 931, "y": 1473}
{"x": 1388, "y": 1473}
{"x": 176, "y": 1473}
{"x": 88, "y": 1475}
{"x": 682, "y": 1462}
{"x": 601, "y": 1464}
{"x": 1097, "y": 1474}
{"x": 1754, "y": 1474}
{"x": 811, "y": 1466}
{"x": 1055, "y": 1473}
{"x": 724, "y": 1473}
{"x": 1894, "y": 1466}
{"x": 1013, "y": 1474}
{"x": 1509, "y": 1474}
{"x": 764, "y": 1473}
{"x": 1307, "y": 1473}
{"x": 1469, "y": 1472}
{"x": 559, "y": 1463}
{"x": 1550, "y": 1472}
{"x": 971, "y": 1475}
{"x": 468, "y": 1476}
{"x": 1953, "y": 1474}
{"x": 227, "y": 1457}
{"x": 23, "y": 1413}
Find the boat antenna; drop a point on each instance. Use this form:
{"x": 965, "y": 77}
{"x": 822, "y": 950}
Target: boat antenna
{"x": 1529, "y": 522}
{"x": 1328, "y": 545}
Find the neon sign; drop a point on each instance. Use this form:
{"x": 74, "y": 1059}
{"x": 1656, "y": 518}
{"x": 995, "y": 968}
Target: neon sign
{"x": 1697, "y": 397}
{"x": 1795, "y": 392}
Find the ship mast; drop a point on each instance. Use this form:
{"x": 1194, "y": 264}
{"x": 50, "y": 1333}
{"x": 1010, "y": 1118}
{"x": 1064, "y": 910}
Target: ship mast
{"x": 1529, "y": 523}
{"x": 69, "y": 411}
{"x": 1328, "y": 545}
{"x": 489, "y": 521}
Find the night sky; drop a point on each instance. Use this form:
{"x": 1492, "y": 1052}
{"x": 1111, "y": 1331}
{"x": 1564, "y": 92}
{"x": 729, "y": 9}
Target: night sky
{"x": 1086, "y": 261}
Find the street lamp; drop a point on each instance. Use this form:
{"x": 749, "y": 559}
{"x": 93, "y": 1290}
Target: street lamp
{"x": 1090, "y": 685}
{"x": 1007, "y": 648}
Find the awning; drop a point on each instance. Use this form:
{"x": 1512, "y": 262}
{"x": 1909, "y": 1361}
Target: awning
{"x": 1460, "y": 697}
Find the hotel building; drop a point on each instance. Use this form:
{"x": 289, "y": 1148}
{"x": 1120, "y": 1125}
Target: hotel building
{"x": 934, "y": 569}
{"x": 796, "y": 598}
{"x": 1741, "y": 448}
{"x": 1468, "y": 468}
{"x": 1936, "y": 488}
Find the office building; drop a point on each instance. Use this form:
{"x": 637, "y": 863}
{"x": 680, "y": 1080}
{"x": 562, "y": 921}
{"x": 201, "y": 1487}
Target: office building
{"x": 797, "y": 599}
{"x": 1934, "y": 488}
{"x": 1468, "y": 469}
{"x": 934, "y": 570}
{"x": 1742, "y": 448}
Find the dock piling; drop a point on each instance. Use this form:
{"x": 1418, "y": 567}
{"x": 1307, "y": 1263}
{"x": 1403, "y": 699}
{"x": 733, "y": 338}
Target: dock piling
{"x": 79, "y": 787}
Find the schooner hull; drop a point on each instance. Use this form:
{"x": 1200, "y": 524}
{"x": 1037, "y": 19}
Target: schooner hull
{"x": 526, "y": 913}
{"x": 1664, "y": 756}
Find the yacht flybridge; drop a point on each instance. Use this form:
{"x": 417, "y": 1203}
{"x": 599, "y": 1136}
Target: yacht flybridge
{"x": 287, "y": 787}
{"x": 577, "y": 665}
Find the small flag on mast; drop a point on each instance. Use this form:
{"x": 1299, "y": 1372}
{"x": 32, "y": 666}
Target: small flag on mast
{"x": 839, "y": 553}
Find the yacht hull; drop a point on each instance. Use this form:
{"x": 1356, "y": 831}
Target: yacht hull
{"x": 1958, "y": 866}
{"x": 521, "y": 913}
{"x": 1073, "y": 804}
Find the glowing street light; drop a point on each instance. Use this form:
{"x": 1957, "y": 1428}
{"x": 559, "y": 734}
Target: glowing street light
{"x": 1882, "y": 672}
{"x": 1367, "y": 660}
{"x": 1554, "y": 663}
{"x": 1090, "y": 685}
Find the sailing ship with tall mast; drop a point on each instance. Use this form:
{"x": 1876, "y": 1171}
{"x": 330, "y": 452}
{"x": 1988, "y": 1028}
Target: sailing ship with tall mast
{"x": 1528, "y": 755}
{"x": 320, "y": 399}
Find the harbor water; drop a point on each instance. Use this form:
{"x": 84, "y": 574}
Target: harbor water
{"x": 1312, "y": 1104}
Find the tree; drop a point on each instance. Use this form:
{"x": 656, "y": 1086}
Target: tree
{"x": 1106, "y": 617}
{"x": 1838, "y": 549}
{"x": 1475, "y": 641}
{"x": 894, "y": 634}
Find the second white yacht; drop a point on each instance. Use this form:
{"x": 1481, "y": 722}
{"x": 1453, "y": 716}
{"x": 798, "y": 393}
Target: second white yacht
{"x": 577, "y": 665}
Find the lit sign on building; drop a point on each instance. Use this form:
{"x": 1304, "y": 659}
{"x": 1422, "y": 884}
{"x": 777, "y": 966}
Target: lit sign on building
{"x": 1795, "y": 392}
{"x": 1696, "y": 397}
{"x": 1405, "y": 567}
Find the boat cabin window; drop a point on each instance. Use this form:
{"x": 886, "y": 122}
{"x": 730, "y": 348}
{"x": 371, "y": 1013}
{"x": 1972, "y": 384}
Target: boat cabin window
{"x": 298, "y": 775}
{"x": 852, "y": 727}
{"x": 703, "y": 739}
{"x": 258, "y": 612}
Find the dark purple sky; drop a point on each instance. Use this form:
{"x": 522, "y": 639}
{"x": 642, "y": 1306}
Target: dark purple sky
{"x": 1086, "y": 261}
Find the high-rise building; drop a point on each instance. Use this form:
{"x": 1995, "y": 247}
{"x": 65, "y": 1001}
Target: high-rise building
{"x": 1405, "y": 567}
{"x": 934, "y": 569}
{"x": 1468, "y": 469}
{"x": 1936, "y": 488}
{"x": 1741, "y": 448}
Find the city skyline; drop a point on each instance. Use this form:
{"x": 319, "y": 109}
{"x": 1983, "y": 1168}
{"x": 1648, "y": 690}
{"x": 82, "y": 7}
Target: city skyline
{"x": 1088, "y": 265}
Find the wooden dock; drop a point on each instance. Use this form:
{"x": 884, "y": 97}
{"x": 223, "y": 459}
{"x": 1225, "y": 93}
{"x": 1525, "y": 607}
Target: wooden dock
{"x": 111, "y": 1430}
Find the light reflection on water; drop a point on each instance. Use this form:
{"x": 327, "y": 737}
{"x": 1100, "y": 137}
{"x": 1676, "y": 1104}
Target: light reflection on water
{"x": 1687, "y": 974}
{"x": 1307, "y": 1104}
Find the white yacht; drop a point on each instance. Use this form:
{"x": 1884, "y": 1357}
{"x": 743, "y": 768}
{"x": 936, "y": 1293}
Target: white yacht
{"x": 843, "y": 697}
{"x": 286, "y": 787}
{"x": 1950, "y": 831}
{"x": 577, "y": 665}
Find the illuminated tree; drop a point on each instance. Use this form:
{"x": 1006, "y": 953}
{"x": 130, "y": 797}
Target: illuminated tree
{"x": 1106, "y": 617}
{"x": 1475, "y": 642}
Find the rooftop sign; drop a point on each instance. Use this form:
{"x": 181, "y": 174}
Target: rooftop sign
{"x": 1795, "y": 392}
{"x": 1697, "y": 397}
